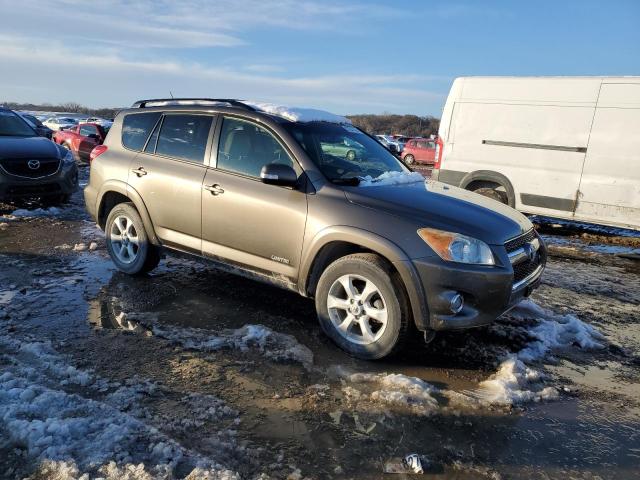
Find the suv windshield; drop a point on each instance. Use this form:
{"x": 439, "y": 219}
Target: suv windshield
{"x": 11, "y": 125}
{"x": 343, "y": 153}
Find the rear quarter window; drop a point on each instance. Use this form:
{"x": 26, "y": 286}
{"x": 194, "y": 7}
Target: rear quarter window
{"x": 136, "y": 128}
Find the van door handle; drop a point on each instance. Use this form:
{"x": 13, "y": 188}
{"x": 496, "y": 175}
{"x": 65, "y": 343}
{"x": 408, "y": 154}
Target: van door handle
{"x": 140, "y": 171}
{"x": 215, "y": 189}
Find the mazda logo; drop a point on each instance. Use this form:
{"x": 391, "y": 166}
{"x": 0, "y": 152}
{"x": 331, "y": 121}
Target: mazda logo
{"x": 33, "y": 164}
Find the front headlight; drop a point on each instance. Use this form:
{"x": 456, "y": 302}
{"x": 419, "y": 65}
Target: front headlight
{"x": 455, "y": 247}
{"x": 68, "y": 157}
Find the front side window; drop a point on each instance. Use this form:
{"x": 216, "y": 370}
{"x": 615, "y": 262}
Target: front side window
{"x": 342, "y": 152}
{"x": 184, "y": 137}
{"x": 11, "y": 125}
{"x": 136, "y": 128}
{"x": 245, "y": 148}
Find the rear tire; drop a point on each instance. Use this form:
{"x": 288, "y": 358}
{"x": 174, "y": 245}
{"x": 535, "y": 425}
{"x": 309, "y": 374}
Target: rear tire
{"x": 493, "y": 193}
{"x": 127, "y": 241}
{"x": 372, "y": 320}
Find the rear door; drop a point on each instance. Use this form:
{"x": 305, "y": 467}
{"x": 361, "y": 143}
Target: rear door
{"x": 244, "y": 221}
{"x": 610, "y": 184}
{"x": 168, "y": 175}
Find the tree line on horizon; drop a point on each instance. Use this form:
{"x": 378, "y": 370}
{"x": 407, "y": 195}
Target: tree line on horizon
{"x": 390, "y": 124}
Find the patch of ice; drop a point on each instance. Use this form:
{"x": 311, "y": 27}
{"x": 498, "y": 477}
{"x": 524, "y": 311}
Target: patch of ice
{"x": 79, "y": 247}
{"x": 37, "y": 212}
{"x": 391, "y": 178}
{"x": 297, "y": 114}
{"x": 394, "y": 390}
{"x": 274, "y": 345}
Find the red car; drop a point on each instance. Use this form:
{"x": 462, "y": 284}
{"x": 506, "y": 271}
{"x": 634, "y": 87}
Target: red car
{"x": 81, "y": 139}
{"x": 419, "y": 150}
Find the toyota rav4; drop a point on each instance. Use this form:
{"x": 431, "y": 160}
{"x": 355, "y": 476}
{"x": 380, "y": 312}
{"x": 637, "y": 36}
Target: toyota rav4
{"x": 262, "y": 190}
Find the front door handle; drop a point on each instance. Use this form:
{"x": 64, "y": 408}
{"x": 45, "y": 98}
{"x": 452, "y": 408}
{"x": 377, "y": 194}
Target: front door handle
{"x": 215, "y": 189}
{"x": 140, "y": 171}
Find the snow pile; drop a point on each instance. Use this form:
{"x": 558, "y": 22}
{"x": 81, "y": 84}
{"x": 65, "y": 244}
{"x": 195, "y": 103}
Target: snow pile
{"x": 516, "y": 383}
{"x": 395, "y": 390}
{"x": 52, "y": 411}
{"x": 38, "y": 212}
{"x": 391, "y": 178}
{"x": 274, "y": 345}
{"x": 296, "y": 114}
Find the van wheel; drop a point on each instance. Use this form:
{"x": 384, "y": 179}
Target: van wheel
{"x": 493, "y": 193}
{"x": 127, "y": 241}
{"x": 362, "y": 306}
{"x": 409, "y": 160}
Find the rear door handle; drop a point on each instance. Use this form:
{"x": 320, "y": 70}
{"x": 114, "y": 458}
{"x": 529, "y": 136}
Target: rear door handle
{"x": 215, "y": 189}
{"x": 140, "y": 171}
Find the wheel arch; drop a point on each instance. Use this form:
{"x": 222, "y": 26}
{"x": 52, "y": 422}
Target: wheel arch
{"x": 114, "y": 192}
{"x": 335, "y": 242}
{"x": 492, "y": 177}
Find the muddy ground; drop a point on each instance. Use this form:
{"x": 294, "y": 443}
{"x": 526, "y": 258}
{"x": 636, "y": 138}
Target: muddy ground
{"x": 287, "y": 404}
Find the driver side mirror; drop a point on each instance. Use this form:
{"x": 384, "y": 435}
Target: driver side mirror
{"x": 279, "y": 174}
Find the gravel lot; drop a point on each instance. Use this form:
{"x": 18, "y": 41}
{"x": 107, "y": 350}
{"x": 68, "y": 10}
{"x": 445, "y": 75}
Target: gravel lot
{"x": 191, "y": 372}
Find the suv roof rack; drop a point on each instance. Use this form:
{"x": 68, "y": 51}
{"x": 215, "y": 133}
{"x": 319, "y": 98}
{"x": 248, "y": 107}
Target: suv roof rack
{"x": 193, "y": 101}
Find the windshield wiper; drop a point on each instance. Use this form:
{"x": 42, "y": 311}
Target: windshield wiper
{"x": 351, "y": 181}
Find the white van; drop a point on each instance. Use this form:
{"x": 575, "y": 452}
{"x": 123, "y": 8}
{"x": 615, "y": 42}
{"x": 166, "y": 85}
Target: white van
{"x": 566, "y": 147}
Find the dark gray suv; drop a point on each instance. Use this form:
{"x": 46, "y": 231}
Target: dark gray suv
{"x": 32, "y": 166}
{"x": 272, "y": 192}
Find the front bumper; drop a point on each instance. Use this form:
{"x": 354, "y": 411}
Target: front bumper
{"x": 63, "y": 182}
{"x": 488, "y": 291}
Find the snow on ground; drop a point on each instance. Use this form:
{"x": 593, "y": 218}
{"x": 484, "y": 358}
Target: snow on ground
{"x": 297, "y": 114}
{"x": 37, "y": 212}
{"x": 274, "y": 345}
{"x": 68, "y": 421}
{"x": 391, "y": 178}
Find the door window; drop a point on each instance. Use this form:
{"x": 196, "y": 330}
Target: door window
{"x": 184, "y": 137}
{"x": 245, "y": 148}
{"x": 136, "y": 128}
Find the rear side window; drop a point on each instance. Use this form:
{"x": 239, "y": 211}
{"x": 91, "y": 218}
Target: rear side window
{"x": 184, "y": 137}
{"x": 136, "y": 128}
{"x": 87, "y": 130}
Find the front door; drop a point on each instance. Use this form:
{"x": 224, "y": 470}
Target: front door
{"x": 168, "y": 175}
{"x": 87, "y": 142}
{"x": 247, "y": 222}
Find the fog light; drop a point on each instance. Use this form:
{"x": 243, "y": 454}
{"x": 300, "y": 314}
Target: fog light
{"x": 456, "y": 303}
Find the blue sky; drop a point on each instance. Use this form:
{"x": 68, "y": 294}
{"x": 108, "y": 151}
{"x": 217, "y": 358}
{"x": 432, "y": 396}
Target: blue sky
{"x": 345, "y": 56}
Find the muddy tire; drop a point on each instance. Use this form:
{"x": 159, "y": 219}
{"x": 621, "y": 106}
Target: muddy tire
{"x": 362, "y": 306}
{"x": 493, "y": 193}
{"x": 409, "y": 160}
{"x": 127, "y": 241}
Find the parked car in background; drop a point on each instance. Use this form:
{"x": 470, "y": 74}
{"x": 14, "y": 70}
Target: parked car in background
{"x": 60, "y": 123}
{"x": 392, "y": 146}
{"x": 81, "y": 139}
{"x": 37, "y": 125}
{"x": 384, "y": 253}
{"x": 419, "y": 150}
{"x": 103, "y": 122}
{"x": 401, "y": 140}
{"x": 32, "y": 166}
{"x": 565, "y": 147}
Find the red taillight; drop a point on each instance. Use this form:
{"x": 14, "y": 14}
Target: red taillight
{"x": 96, "y": 152}
{"x": 439, "y": 148}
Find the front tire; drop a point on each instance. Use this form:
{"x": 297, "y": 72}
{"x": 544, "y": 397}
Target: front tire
{"x": 127, "y": 241}
{"x": 363, "y": 307}
{"x": 409, "y": 159}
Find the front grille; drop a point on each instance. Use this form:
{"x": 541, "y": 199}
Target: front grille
{"x": 516, "y": 243}
{"x": 525, "y": 268}
{"x": 20, "y": 167}
{"x": 33, "y": 190}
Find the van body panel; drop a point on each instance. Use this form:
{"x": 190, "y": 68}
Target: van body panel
{"x": 553, "y": 139}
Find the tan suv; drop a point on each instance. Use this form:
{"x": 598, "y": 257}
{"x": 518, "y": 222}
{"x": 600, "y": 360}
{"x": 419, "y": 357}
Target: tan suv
{"x": 272, "y": 192}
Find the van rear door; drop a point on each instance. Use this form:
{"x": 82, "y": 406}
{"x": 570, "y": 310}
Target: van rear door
{"x": 610, "y": 184}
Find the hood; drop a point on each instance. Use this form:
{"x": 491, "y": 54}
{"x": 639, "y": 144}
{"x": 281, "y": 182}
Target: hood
{"x": 28, "y": 147}
{"x": 437, "y": 205}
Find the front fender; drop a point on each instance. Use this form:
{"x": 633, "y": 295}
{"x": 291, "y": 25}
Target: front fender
{"x": 380, "y": 245}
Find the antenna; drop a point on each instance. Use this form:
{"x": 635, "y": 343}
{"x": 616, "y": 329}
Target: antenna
{"x": 170, "y": 93}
